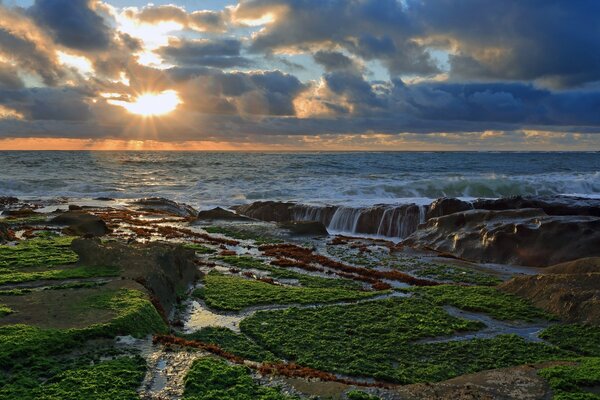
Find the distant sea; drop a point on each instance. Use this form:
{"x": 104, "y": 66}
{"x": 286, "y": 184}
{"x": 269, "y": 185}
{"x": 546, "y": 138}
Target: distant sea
{"x": 354, "y": 179}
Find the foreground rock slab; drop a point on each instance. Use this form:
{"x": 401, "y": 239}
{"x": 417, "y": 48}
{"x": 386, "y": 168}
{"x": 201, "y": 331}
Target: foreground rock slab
{"x": 528, "y": 237}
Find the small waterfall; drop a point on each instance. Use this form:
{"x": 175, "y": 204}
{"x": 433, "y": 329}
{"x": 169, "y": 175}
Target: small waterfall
{"x": 383, "y": 220}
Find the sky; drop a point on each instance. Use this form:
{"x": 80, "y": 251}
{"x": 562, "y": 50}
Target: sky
{"x": 300, "y": 74}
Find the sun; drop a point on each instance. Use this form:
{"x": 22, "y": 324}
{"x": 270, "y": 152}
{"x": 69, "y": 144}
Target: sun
{"x": 151, "y": 104}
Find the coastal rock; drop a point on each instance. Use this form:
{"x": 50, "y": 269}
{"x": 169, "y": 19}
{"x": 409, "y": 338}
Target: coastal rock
{"x": 552, "y": 205}
{"x": 305, "y": 227}
{"x": 81, "y": 223}
{"x": 570, "y": 290}
{"x": 6, "y": 234}
{"x": 447, "y": 205}
{"x": 19, "y": 213}
{"x": 527, "y": 237}
{"x": 383, "y": 220}
{"x": 164, "y": 269}
{"x": 270, "y": 211}
{"x": 220, "y": 214}
{"x": 160, "y": 204}
{"x": 7, "y": 201}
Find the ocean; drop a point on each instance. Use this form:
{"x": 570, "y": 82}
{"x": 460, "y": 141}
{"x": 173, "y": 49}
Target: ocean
{"x": 206, "y": 179}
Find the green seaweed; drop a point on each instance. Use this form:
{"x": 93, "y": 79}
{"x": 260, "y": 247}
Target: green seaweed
{"x": 573, "y": 382}
{"x": 360, "y": 395}
{"x": 225, "y": 292}
{"x": 232, "y": 342}
{"x": 4, "y": 310}
{"x": 210, "y": 379}
{"x": 581, "y": 339}
{"x": 379, "y": 339}
{"x": 199, "y": 248}
{"x": 242, "y": 234}
{"x": 489, "y": 300}
{"x": 58, "y": 274}
{"x": 43, "y": 251}
{"x": 247, "y": 262}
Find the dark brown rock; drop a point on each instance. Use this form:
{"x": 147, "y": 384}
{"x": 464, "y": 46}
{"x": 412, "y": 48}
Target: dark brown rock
{"x": 305, "y": 227}
{"x": 220, "y": 214}
{"x": 527, "y": 237}
{"x": 164, "y": 269}
{"x": 81, "y": 223}
{"x": 552, "y": 205}
{"x": 159, "y": 204}
{"x": 271, "y": 211}
{"x": 19, "y": 213}
{"x": 7, "y": 201}
{"x": 446, "y": 206}
{"x": 6, "y": 233}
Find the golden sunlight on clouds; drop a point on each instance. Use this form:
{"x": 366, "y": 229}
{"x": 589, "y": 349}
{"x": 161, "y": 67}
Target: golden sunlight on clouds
{"x": 79, "y": 63}
{"x": 8, "y": 113}
{"x": 150, "y": 104}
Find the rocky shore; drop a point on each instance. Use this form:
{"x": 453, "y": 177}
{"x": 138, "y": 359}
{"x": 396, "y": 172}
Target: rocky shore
{"x": 152, "y": 299}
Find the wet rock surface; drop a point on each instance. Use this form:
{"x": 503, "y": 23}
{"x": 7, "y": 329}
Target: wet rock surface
{"x": 556, "y": 205}
{"x": 304, "y": 227}
{"x": 527, "y": 237}
{"x": 571, "y": 290}
{"x": 446, "y": 206}
{"x": 220, "y": 214}
{"x": 161, "y": 204}
{"x": 81, "y": 223}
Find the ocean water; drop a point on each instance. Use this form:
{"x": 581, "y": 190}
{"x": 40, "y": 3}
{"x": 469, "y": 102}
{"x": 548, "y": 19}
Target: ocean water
{"x": 353, "y": 179}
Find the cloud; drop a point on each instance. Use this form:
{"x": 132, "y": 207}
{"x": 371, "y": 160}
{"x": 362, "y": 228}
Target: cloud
{"x": 221, "y": 53}
{"x": 202, "y": 20}
{"x": 73, "y": 23}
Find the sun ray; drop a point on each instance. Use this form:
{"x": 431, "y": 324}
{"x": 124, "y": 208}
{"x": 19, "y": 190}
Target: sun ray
{"x": 151, "y": 104}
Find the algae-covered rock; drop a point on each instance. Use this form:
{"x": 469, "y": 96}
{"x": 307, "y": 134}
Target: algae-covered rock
{"x": 164, "y": 269}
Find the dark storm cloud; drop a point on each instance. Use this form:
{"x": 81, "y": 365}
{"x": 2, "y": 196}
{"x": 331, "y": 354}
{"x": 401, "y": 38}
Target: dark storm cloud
{"x": 221, "y": 53}
{"x": 334, "y": 61}
{"x": 73, "y": 23}
{"x": 52, "y": 104}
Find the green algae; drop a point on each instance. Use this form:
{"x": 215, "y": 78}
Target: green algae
{"x": 247, "y": 262}
{"x": 231, "y": 342}
{"x": 199, "y": 248}
{"x": 360, "y": 395}
{"x": 581, "y": 339}
{"x": 210, "y": 379}
{"x": 574, "y": 382}
{"x": 58, "y": 274}
{"x": 4, "y": 310}
{"x": 46, "y": 251}
{"x": 451, "y": 273}
{"x": 380, "y": 339}
{"x": 489, "y": 300}
{"x": 33, "y": 361}
{"x": 240, "y": 234}
{"x": 234, "y": 293}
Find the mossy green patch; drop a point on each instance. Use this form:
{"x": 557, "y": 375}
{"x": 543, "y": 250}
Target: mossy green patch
{"x": 232, "y": 342}
{"x": 489, "y": 300}
{"x": 360, "y": 395}
{"x": 241, "y": 234}
{"x": 58, "y": 274}
{"x": 378, "y": 339}
{"x": 582, "y": 339}
{"x": 199, "y": 248}
{"x": 210, "y": 379}
{"x": 30, "y": 220}
{"x": 109, "y": 380}
{"x": 235, "y": 293}
{"x": 247, "y": 262}
{"x": 574, "y": 382}
{"x": 452, "y": 273}
{"x": 43, "y": 251}
{"x": 4, "y": 310}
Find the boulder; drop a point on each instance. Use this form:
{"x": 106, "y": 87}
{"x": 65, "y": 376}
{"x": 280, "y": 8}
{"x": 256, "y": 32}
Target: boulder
{"x": 164, "y": 269}
{"x": 305, "y": 227}
{"x": 81, "y": 223}
{"x": 7, "y": 201}
{"x": 159, "y": 204}
{"x": 446, "y": 206}
{"x": 19, "y": 213}
{"x": 271, "y": 211}
{"x": 570, "y": 290}
{"x": 526, "y": 237}
{"x": 220, "y": 214}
